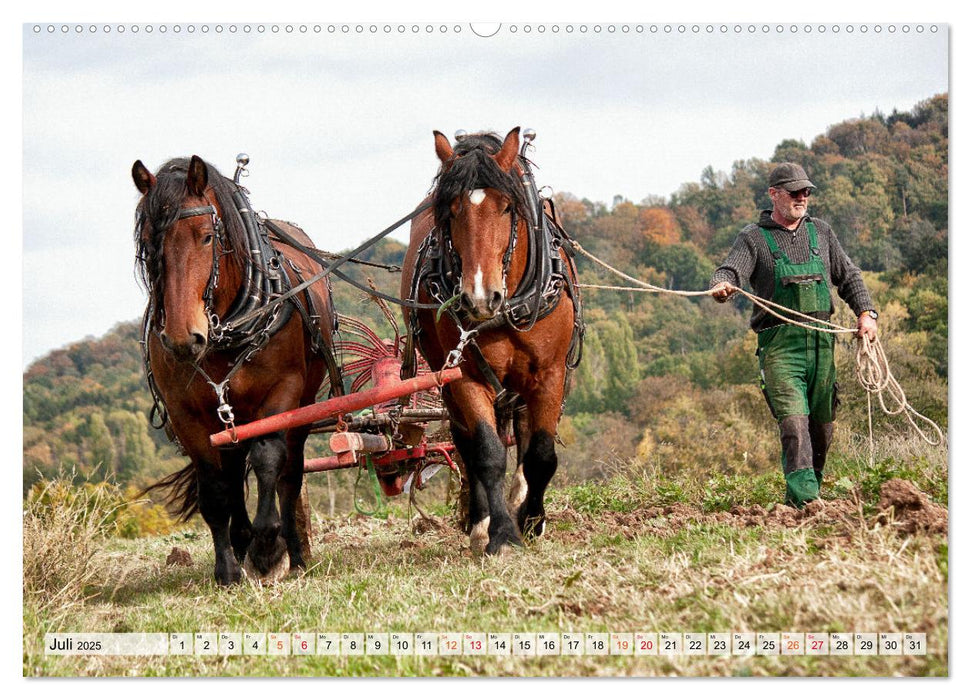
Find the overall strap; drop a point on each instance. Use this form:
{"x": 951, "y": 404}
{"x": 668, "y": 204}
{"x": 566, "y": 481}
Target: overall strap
{"x": 773, "y": 247}
{"x": 779, "y": 255}
{"x": 813, "y": 238}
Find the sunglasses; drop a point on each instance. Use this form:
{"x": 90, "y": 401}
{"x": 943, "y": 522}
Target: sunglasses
{"x": 804, "y": 192}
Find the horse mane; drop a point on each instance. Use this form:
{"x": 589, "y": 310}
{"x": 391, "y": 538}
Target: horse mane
{"x": 160, "y": 208}
{"x": 471, "y": 168}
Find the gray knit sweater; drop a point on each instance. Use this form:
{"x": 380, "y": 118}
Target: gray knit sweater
{"x": 750, "y": 260}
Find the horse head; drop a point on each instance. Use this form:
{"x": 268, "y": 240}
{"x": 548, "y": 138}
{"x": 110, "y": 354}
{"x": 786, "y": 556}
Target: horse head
{"x": 477, "y": 200}
{"x": 179, "y": 222}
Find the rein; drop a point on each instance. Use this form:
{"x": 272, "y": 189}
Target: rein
{"x": 331, "y": 267}
{"x": 872, "y": 370}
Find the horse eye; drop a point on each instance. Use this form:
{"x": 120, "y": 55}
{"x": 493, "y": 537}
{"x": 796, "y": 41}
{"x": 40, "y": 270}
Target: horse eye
{"x": 207, "y": 239}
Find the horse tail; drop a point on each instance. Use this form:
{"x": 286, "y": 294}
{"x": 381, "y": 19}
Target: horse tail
{"x": 182, "y": 499}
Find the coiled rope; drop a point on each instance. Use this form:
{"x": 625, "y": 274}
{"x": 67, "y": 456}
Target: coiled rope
{"x": 872, "y": 369}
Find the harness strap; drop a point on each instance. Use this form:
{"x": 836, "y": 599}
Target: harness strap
{"x": 317, "y": 338}
{"x": 332, "y": 266}
{"x": 197, "y": 211}
{"x": 777, "y": 252}
{"x": 313, "y": 255}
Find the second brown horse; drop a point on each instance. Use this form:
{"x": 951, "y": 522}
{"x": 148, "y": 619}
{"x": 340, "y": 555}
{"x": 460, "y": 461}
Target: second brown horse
{"x": 489, "y": 251}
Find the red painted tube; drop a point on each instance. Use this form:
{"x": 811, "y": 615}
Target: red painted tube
{"x": 336, "y": 406}
{"x": 326, "y": 464}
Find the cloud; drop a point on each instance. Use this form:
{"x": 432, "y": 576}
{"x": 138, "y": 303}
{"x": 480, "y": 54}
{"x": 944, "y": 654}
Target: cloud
{"x": 338, "y": 126}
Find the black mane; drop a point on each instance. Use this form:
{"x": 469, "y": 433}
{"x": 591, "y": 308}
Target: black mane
{"x": 471, "y": 168}
{"x": 158, "y": 211}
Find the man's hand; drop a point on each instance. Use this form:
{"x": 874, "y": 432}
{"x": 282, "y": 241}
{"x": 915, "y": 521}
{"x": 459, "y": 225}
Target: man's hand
{"x": 866, "y": 325}
{"x": 723, "y": 290}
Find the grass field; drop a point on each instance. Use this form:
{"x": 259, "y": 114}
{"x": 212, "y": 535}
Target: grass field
{"x": 641, "y": 552}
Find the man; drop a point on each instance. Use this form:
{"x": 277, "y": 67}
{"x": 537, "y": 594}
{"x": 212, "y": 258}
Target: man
{"x": 792, "y": 258}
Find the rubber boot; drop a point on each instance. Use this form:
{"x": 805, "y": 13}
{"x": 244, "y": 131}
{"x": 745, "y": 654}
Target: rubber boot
{"x": 821, "y": 435}
{"x": 801, "y": 487}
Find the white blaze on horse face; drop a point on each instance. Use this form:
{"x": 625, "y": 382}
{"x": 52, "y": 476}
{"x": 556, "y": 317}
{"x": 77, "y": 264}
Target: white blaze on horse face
{"x": 477, "y": 196}
{"x": 479, "y": 290}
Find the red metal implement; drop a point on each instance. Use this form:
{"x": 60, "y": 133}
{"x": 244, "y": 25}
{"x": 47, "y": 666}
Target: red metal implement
{"x": 339, "y": 405}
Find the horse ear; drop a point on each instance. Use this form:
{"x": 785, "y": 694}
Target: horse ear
{"x": 506, "y": 156}
{"x": 197, "y": 177}
{"x": 144, "y": 180}
{"x": 443, "y": 149}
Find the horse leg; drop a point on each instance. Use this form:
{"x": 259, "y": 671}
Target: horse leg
{"x": 539, "y": 460}
{"x": 477, "y": 525}
{"x": 517, "y": 491}
{"x": 485, "y": 460}
{"x": 266, "y": 557}
{"x": 539, "y": 465}
{"x": 215, "y": 497}
{"x": 240, "y": 529}
{"x": 291, "y": 507}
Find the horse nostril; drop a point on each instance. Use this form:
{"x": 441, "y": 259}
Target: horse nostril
{"x": 198, "y": 339}
{"x": 496, "y": 301}
{"x": 466, "y": 301}
{"x": 166, "y": 341}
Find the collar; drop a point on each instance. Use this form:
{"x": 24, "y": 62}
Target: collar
{"x": 766, "y": 221}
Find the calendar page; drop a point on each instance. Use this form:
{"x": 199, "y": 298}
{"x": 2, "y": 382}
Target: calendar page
{"x": 662, "y": 526}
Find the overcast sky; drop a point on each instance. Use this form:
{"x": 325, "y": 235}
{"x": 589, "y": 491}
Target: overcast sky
{"x": 338, "y": 125}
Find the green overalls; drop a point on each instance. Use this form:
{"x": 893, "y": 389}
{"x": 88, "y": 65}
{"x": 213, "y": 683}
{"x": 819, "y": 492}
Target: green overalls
{"x": 798, "y": 374}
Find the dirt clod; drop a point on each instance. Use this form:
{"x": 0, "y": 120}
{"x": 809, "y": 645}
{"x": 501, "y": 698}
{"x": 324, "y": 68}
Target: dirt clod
{"x": 909, "y": 509}
{"x": 179, "y": 557}
{"x": 904, "y": 505}
{"x": 421, "y": 524}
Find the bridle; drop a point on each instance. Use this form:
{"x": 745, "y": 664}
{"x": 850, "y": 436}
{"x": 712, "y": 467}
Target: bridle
{"x": 453, "y": 261}
{"x": 249, "y": 337}
{"x": 217, "y": 251}
{"x": 438, "y": 270}
{"x": 537, "y": 292}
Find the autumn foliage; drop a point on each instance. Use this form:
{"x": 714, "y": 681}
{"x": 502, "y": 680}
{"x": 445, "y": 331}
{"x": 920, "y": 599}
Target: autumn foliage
{"x": 665, "y": 380}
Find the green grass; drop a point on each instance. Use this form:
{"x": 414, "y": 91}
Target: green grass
{"x": 613, "y": 560}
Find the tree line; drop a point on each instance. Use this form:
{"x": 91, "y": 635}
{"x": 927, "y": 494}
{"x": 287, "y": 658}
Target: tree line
{"x": 666, "y": 380}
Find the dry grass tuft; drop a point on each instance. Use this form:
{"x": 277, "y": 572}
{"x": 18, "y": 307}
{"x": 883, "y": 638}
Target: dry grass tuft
{"x": 64, "y": 529}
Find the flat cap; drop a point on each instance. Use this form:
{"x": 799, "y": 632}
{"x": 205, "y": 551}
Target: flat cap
{"x": 790, "y": 176}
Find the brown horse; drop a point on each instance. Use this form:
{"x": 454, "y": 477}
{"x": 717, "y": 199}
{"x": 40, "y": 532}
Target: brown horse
{"x": 493, "y": 255}
{"x": 221, "y": 347}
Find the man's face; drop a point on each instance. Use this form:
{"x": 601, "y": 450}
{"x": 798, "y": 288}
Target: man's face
{"x": 791, "y": 206}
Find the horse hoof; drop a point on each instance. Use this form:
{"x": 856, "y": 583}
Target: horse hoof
{"x": 230, "y": 578}
{"x": 275, "y": 573}
{"x": 503, "y": 549}
{"x": 534, "y": 527}
{"x": 479, "y": 537}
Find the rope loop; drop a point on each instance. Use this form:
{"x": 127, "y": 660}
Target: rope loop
{"x": 872, "y": 369}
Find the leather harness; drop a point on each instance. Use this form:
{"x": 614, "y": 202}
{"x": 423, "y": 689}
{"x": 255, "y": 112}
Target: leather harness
{"x": 438, "y": 272}
{"x": 257, "y": 312}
